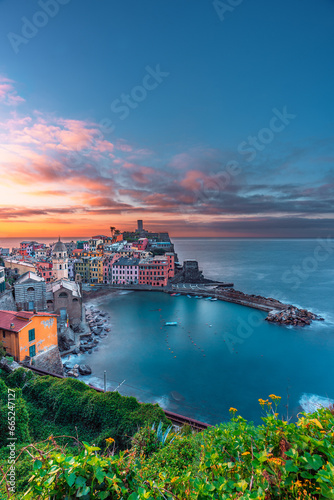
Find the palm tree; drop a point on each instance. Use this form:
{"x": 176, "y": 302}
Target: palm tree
{"x": 112, "y": 229}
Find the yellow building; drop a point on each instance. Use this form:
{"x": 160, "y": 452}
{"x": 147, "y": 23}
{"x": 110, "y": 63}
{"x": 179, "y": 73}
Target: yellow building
{"x": 21, "y": 266}
{"x": 100, "y": 270}
{"x": 26, "y": 333}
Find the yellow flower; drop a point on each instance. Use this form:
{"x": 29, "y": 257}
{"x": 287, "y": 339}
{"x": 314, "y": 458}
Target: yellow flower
{"x": 233, "y": 410}
{"x": 245, "y": 453}
{"x": 110, "y": 440}
{"x": 272, "y": 396}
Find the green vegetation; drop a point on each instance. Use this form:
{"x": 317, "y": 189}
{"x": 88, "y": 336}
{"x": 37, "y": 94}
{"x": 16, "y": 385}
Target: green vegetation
{"x": 131, "y": 459}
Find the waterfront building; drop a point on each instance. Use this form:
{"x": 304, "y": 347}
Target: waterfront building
{"x": 153, "y": 271}
{"x": 59, "y": 261}
{"x": 4, "y": 252}
{"x": 82, "y": 267}
{"x": 64, "y": 298}
{"x": 30, "y": 293}
{"x": 125, "y": 271}
{"x": 171, "y": 264}
{"x": 107, "y": 267}
{"x": 94, "y": 270}
{"x": 26, "y": 333}
{"x": 2, "y": 279}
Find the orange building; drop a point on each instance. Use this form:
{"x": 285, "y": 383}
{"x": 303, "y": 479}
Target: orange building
{"x": 26, "y": 333}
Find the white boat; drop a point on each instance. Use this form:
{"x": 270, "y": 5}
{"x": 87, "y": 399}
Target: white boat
{"x": 171, "y": 323}
{"x": 214, "y": 298}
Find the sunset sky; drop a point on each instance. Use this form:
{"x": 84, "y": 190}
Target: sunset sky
{"x": 200, "y": 118}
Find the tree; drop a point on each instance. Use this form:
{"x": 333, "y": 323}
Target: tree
{"x": 112, "y": 230}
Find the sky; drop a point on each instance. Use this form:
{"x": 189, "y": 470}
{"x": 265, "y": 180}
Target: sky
{"x": 203, "y": 118}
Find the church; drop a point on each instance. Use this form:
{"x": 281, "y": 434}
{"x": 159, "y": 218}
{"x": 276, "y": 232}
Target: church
{"x": 59, "y": 261}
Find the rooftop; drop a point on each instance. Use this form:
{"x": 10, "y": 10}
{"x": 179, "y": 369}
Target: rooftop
{"x": 29, "y": 276}
{"x": 15, "y": 321}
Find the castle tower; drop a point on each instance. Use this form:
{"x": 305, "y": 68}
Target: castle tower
{"x": 59, "y": 261}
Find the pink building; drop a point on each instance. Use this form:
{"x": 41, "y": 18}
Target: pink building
{"x": 107, "y": 268}
{"x": 171, "y": 264}
{"x": 141, "y": 244}
{"x": 44, "y": 269}
{"x": 125, "y": 271}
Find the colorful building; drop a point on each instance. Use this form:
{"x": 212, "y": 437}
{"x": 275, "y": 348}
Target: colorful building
{"x": 125, "y": 271}
{"x": 153, "y": 271}
{"x": 27, "y": 333}
{"x": 45, "y": 270}
{"x": 82, "y": 267}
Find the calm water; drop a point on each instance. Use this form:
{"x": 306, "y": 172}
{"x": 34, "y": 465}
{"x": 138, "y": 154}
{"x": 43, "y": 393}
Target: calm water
{"x": 222, "y": 355}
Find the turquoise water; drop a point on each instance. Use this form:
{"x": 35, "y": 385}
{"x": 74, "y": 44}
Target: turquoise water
{"x": 238, "y": 357}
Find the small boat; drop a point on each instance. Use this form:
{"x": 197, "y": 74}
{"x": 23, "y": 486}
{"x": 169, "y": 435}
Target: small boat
{"x": 189, "y": 296}
{"x": 177, "y": 294}
{"x": 172, "y": 294}
{"x": 171, "y": 323}
{"x": 208, "y": 298}
{"x": 214, "y": 298}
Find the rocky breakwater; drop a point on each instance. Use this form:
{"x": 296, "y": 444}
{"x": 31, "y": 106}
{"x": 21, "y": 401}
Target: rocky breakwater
{"x": 293, "y": 316}
{"x": 99, "y": 327}
{"x": 256, "y": 301}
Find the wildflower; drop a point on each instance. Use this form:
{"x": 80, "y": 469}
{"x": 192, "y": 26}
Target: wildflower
{"x": 272, "y": 396}
{"x": 233, "y": 410}
{"x": 245, "y": 453}
{"x": 110, "y": 440}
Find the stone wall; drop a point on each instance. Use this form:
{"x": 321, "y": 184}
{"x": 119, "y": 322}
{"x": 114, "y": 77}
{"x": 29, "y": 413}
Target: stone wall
{"x": 7, "y": 302}
{"x": 49, "y": 361}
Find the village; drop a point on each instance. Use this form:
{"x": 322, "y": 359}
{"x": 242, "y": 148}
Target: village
{"x": 41, "y": 289}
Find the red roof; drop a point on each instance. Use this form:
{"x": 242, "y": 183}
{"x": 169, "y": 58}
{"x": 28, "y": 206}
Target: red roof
{"x": 19, "y": 319}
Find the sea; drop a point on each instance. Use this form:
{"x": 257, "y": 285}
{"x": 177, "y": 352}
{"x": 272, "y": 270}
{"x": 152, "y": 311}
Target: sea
{"x": 223, "y": 355}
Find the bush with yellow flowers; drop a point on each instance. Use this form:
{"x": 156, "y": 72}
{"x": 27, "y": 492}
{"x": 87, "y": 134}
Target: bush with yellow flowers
{"x": 234, "y": 460}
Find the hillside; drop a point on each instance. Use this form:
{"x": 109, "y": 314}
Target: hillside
{"x": 88, "y": 445}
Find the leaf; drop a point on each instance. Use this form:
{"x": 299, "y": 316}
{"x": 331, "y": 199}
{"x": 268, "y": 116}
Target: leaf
{"x": 37, "y": 464}
{"x": 316, "y": 421}
{"x": 290, "y": 467}
{"x": 100, "y": 475}
{"x": 70, "y": 479}
{"x": 80, "y": 481}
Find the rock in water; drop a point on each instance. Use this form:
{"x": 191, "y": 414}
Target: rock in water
{"x": 85, "y": 370}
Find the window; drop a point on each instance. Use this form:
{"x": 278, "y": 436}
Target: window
{"x": 63, "y": 295}
{"x": 31, "y": 334}
{"x": 30, "y": 289}
{"x": 32, "y": 351}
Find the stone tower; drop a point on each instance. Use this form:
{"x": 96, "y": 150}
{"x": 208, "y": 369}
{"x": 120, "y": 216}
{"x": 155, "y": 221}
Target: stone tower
{"x": 59, "y": 261}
